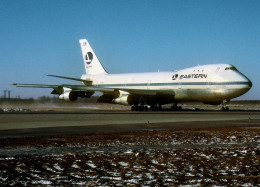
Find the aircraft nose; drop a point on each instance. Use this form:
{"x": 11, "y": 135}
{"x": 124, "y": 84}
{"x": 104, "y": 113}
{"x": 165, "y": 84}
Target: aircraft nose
{"x": 250, "y": 84}
{"x": 247, "y": 83}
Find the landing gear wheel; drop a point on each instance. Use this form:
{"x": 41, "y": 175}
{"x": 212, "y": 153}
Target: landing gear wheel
{"x": 225, "y": 108}
{"x": 141, "y": 108}
{"x": 138, "y": 108}
{"x": 153, "y": 108}
{"x": 175, "y": 107}
{"x": 224, "y": 105}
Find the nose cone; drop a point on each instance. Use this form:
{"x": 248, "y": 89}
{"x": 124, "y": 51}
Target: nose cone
{"x": 247, "y": 84}
{"x": 243, "y": 86}
{"x": 250, "y": 84}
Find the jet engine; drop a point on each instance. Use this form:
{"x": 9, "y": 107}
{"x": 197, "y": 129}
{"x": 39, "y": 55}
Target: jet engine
{"x": 69, "y": 96}
{"x": 126, "y": 99}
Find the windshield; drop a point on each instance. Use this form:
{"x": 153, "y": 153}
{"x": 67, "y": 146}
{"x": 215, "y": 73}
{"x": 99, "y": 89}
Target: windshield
{"x": 231, "y": 68}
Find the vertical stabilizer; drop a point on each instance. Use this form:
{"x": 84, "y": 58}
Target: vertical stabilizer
{"x": 91, "y": 62}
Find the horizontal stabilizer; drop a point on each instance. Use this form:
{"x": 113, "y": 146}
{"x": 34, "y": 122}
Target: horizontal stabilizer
{"x": 87, "y": 82}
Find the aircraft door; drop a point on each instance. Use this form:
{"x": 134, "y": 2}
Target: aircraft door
{"x": 208, "y": 83}
{"x": 212, "y": 84}
{"x": 148, "y": 84}
{"x": 179, "y": 84}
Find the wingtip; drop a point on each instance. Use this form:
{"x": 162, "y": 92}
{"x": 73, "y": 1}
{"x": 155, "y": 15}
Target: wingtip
{"x": 52, "y": 75}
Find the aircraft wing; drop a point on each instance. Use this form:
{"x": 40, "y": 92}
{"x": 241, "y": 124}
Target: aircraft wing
{"x": 90, "y": 87}
{"x": 59, "y": 89}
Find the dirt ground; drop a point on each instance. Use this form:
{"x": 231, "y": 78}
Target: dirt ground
{"x": 198, "y": 157}
{"x": 192, "y": 152}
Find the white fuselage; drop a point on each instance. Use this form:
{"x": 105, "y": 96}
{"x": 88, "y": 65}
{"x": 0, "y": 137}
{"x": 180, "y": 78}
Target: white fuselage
{"x": 212, "y": 84}
{"x": 208, "y": 83}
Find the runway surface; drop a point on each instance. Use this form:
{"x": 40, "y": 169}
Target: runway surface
{"x": 98, "y": 121}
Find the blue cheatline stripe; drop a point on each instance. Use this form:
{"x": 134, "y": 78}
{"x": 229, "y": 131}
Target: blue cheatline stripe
{"x": 175, "y": 84}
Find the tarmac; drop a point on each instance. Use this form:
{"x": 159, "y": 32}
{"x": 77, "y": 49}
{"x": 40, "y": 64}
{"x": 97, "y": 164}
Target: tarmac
{"x": 102, "y": 121}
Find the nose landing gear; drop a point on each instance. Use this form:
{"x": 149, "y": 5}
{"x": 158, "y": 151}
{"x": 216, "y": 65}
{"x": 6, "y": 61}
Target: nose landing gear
{"x": 224, "y": 106}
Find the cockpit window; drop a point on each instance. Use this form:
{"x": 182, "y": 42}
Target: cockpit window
{"x": 231, "y": 68}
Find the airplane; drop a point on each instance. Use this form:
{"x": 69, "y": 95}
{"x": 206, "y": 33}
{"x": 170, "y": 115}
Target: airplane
{"x": 214, "y": 84}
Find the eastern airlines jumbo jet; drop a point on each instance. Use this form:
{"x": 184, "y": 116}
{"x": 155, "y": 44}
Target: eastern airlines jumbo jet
{"x": 211, "y": 84}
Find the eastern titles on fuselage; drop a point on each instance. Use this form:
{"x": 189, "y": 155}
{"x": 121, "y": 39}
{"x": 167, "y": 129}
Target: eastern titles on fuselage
{"x": 188, "y": 76}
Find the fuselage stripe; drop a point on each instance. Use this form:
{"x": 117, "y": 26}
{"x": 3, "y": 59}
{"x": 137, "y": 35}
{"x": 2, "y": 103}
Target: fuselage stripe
{"x": 174, "y": 84}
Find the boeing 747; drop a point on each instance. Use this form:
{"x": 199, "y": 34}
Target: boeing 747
{"x": 214, "y": 84}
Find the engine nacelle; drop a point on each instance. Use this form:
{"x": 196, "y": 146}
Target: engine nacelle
{"x": 69, "y": 96}
{"x": 126, "y": 100}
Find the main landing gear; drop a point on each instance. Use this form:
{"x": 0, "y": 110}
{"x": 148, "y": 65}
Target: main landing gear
{"x": 175, "y": 107}
{"x": 156, "y": 107}
{"x": 139, "y": 108}
{"x": 146, "y": 107}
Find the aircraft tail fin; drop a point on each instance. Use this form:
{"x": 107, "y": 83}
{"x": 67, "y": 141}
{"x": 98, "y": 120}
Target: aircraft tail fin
{"x": 91, "y": 62}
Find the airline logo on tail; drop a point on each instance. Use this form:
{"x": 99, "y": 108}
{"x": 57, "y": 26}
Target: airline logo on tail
{"x": 89, "y": 57}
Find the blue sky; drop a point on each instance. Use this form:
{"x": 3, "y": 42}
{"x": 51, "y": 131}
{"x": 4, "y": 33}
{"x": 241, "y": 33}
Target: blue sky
{"x": 41, "y": 37}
